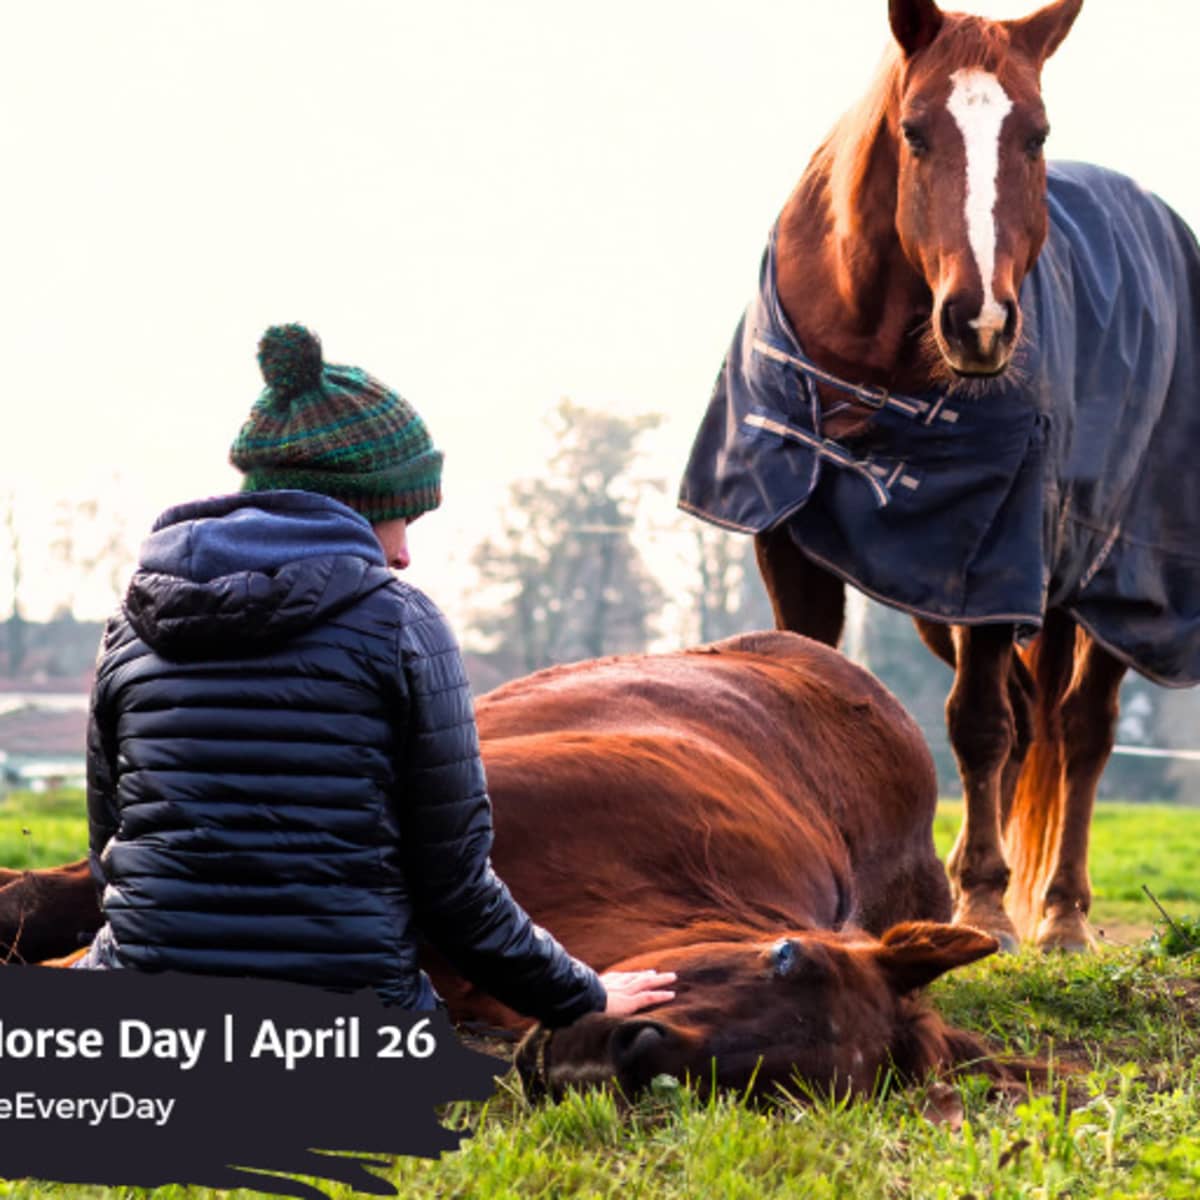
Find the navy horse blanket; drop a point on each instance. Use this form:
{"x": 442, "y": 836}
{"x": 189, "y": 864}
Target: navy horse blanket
{"x": 1072, "y": 482}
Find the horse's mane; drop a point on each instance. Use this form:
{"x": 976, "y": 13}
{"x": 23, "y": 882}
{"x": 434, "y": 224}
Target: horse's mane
{"x": 845, "y": 156}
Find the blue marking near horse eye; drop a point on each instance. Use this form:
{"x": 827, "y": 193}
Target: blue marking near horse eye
{"x": 783, "y": 957}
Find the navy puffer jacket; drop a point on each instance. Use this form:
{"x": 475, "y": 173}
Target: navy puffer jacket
{"x": 283, "y": 769}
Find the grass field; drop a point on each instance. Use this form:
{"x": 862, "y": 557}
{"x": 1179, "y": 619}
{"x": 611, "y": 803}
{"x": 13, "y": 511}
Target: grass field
{"x": 1123, "y": 1119}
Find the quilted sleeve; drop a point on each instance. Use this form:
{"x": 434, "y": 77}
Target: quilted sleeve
{"x": 101, "y": 773}
{"x": 461, "y": 906}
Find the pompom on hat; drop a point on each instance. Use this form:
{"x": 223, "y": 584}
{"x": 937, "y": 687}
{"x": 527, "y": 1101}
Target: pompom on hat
{"x": 335, "y": 430}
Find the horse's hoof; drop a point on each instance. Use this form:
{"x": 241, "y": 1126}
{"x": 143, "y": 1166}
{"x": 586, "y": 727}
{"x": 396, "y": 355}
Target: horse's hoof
{"x": 1008, "y": 941}
{"x": 989, "y": 919}
{"x": 1065, "y": 931}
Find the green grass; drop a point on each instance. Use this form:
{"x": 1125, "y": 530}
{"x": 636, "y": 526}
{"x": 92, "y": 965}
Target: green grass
{"x": 42, "y": 830}
{"x": 1120, "y": 1121}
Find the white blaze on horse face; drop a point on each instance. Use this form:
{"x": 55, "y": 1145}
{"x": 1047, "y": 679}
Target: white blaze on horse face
{"x": 979, "y": 105}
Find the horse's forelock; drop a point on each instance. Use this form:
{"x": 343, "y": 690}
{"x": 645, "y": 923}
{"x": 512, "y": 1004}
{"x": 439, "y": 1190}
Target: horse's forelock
{"x": 964, "y": 42}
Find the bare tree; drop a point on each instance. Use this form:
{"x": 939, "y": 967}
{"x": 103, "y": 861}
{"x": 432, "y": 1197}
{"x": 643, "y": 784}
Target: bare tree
{"x": 15, "y": 622}
{"x": 728, "y": 594}
{"x": 91, "y": 540}
{"x": 564, "y": 579}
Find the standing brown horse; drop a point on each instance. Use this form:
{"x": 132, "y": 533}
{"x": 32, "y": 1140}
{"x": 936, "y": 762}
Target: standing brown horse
{"x": 897, "y": 264}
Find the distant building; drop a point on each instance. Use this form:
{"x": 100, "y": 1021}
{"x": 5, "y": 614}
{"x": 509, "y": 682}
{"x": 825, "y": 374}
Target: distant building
{"x": 43, "y": 739}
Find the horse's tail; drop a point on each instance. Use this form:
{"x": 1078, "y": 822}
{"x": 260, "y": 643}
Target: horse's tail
{"x": 1033, "y": 820}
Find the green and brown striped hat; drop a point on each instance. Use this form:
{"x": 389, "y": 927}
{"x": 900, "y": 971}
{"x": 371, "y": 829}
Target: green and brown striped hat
{"x": 335, "y": 430}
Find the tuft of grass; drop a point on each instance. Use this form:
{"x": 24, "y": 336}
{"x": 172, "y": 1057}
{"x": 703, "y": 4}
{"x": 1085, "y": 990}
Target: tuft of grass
{"x": 1175, "y": 937}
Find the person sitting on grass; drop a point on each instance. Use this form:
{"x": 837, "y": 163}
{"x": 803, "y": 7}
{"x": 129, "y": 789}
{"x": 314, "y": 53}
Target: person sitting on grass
{"x": 283, "y": 767}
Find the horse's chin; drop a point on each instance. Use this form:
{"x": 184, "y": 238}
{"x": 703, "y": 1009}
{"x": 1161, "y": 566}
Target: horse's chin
{"x": 965, "y": 377}
{"x": 968, "y": 367}
{"x": 978, "y": 374}
{"x": 977, "y": 384}
{"x": 959, "y": 374}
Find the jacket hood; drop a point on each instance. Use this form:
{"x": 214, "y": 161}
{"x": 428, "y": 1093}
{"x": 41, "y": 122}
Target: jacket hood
{"x": 256, "y": 567}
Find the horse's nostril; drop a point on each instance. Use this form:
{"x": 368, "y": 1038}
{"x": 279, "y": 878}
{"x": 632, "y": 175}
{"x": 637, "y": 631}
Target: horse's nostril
{"x": 949, "y": 330}
{"x": 1010, "y": 320}
{"x": 975, "y": 334}
{"x": 636, "y": 1053}
{"x": 632, "y": 1040}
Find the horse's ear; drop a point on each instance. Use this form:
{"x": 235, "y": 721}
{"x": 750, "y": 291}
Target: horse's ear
{"x": 917, "y": 952}
{"x": 1041, "y": 33}
{"x": 915, "y": 23}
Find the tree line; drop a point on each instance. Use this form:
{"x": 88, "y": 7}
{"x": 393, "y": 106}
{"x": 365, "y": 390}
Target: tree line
{"x": 591, "y": 558}
{"x": 571, "y": 575}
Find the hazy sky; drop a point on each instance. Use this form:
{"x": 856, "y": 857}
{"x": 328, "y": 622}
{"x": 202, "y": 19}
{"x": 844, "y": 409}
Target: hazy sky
{"x": 488, "y": 205}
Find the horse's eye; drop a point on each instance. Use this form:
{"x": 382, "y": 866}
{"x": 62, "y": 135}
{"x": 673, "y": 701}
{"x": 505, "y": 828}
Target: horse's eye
{"x": 784, "y": 957}
{"x": 1033, "y": 146}
{"x": 916, "y": 140}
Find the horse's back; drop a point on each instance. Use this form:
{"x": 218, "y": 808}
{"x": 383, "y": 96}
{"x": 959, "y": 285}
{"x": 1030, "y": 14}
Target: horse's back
{"x": 1117, "y": 289}
{"x": 1116, "y": 364}
{"x": 810, "y": 723}
{"x": 762, "y": 775}
{"x": 733, "y": 688}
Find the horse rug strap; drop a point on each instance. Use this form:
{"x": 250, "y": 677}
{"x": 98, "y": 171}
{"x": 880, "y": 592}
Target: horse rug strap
{"x": 1071, "y": 482}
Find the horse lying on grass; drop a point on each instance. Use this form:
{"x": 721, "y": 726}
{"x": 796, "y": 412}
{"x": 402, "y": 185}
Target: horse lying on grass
{"x": 754, "y": 815}
{"x": 46, "y": 914}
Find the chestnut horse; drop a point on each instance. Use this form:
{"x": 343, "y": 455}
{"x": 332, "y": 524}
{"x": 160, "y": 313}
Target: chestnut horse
{"x": 898, "y": 263}
{"x": 754, "y": 815}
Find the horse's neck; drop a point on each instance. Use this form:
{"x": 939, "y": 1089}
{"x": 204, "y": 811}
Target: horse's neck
{"x": 856, "y": 304}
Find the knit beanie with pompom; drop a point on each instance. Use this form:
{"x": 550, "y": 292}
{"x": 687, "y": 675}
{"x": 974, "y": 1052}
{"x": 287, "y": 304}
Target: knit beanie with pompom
{"x": 337, "y": 431}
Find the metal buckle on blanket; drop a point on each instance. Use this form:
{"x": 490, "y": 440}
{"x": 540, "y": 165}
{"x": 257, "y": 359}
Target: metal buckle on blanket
{"x": 872, "y": 395}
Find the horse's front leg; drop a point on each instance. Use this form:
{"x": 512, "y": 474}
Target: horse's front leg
{"x": 983, "y": 734}
{"x": 1089, "y": 723}
{"x": 806, "y": 598}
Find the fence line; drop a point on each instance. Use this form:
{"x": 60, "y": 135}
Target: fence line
{"x": 1132, "y": 751}
{"x": 1155, "y": 752}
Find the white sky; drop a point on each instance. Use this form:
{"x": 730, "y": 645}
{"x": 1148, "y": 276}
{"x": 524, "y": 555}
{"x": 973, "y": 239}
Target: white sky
{"x": 487, "y": 205}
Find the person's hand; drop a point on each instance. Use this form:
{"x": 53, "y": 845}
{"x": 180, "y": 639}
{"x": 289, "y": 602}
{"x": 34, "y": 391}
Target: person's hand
{"x": 631, "y": 991}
